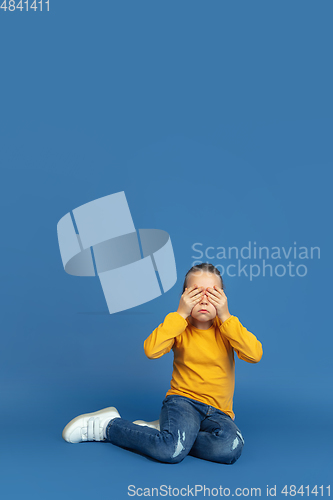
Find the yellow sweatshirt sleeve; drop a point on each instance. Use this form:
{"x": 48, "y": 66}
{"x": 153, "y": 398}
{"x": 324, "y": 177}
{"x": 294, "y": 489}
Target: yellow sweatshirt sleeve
{"x": 161, "y": 340}
{"x": 246, "y": 345}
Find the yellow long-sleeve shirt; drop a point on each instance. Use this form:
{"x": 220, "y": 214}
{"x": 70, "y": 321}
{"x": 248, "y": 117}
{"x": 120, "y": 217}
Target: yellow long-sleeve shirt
{"x": 204, "y": 365}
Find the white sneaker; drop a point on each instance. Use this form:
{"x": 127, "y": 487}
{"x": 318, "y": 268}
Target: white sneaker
{"x": 89, "y": 426}
{"x": 154, "y": 425}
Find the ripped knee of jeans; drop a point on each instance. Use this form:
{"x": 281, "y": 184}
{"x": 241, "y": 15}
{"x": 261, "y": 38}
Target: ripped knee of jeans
{"x": 179, "y": 444}
{"x": 241, "y": 437}
{"x": 238, "y": 440}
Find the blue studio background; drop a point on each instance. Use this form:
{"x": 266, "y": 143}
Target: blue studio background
{"x": 215, "y": 118}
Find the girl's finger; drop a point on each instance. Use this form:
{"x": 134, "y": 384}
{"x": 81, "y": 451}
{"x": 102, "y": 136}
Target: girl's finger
{"x": 191, "y": 291}
{"x": 221, "y": 293}
{"x": 197, "y": 298}
{"x": 213, "y": 299}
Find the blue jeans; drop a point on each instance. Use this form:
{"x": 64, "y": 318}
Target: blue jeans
{"x": 188, "y": 427}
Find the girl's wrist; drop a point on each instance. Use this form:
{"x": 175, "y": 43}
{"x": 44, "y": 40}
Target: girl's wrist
{"x": 224, "y": 317}
{"x": 184, "y": 315}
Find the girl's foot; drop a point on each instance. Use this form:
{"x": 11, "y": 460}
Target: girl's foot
{"x": 89, "y": 426}
{"x": 155, "y": 424}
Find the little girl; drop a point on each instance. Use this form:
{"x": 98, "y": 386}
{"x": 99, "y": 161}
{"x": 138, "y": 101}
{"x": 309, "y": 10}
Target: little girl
{"x": 196, "y": 416}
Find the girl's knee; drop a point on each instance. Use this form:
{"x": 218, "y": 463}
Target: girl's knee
{"x": 170, "y": 456}
{"x": 171, "y": 459}
{"x": 235, "y": 452}
{"x": 173, "y": 450}
{"x": 228, "y": 452}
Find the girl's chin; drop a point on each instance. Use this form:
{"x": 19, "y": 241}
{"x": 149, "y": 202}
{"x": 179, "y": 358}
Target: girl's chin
{"x": 203, "y": 316}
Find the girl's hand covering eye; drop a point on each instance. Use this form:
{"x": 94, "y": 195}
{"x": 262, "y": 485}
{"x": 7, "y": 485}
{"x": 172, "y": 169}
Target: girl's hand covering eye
{"x": 218, "y": 298}
{"x": 190, "y": 298}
